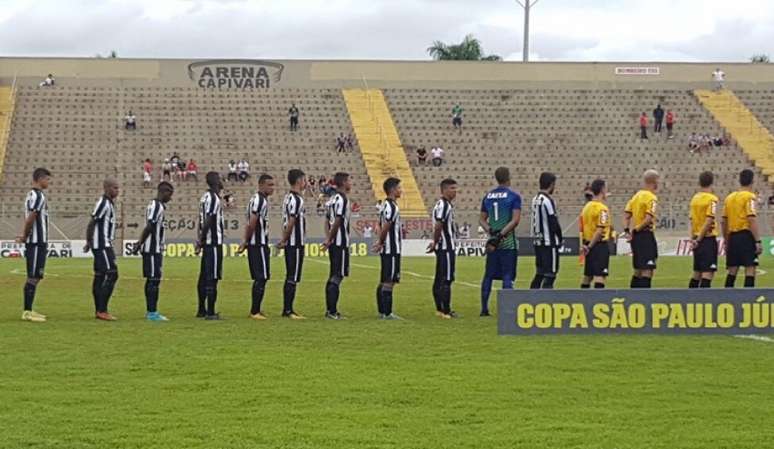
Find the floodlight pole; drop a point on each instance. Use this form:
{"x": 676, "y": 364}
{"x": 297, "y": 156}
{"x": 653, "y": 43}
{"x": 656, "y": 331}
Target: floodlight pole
{"x": 527, "y": 5}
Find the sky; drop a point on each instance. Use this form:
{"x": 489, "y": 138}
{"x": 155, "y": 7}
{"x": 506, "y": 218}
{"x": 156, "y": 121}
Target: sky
{"x": 562, "y": 30}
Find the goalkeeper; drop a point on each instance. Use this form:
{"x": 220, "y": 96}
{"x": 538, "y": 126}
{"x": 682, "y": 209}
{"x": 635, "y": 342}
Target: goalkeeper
{"x": 500, "y": 214}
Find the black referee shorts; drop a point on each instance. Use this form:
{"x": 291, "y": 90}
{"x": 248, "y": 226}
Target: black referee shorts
{"x": 445, "y": 262}
{"x": 258, "y": 261}
{"x": 294, "y": 263}
{"x": 705, "y": 255}
{"x": 104, "y": 260}
{"x": 740, "y": 250}
{"x": 390, "y": 268}
{"x": 35, "y": 253}
{"x": 644, "y": 250}
{"x": 339, "y": 258}
{"x": 597, "y": 262}
{"x": 211, "y": 268}
{"x": 546, "y": 260}
{"x": 151, "y": 265}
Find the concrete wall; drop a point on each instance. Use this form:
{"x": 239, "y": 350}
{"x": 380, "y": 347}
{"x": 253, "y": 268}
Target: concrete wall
{"x": 386, "y": 74}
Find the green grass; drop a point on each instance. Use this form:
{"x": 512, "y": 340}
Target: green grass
{"x": 421, "y": 383}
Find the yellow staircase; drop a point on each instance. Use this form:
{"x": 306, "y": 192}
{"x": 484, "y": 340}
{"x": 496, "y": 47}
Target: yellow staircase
{"x": 752, "y": 137}
{"x": 6, "y": 114}
{"x": 383, "y": 153}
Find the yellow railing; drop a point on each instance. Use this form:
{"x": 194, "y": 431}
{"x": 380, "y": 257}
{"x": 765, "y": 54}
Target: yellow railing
{"x": 7, "y": 102}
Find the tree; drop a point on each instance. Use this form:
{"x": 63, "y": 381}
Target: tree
{"x": 760, "y": 59}
{"x": 469, "y": 49}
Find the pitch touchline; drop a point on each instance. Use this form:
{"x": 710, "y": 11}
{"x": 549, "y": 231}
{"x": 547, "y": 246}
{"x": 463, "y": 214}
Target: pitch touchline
{"x": 756, "y": 338}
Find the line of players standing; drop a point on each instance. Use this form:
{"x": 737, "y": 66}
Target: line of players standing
{"x": 500, "y": 215}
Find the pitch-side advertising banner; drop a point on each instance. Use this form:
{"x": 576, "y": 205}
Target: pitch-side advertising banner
{"x": 313, "y": 248}
{"x": 665, "y": 311}
{"x": 56, "y": 249}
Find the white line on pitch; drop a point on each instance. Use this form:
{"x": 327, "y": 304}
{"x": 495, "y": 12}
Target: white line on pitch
{"x": 756, "y": 338}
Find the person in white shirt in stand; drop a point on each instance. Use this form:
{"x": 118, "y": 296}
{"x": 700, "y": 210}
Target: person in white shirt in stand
{"x": 232, "y": 171}
{"x": 48, "y": 82}
{"x": 130, "y": 121}
{"x": 437, "y": 155}
{"x": 368, "y": 231}
{"x": 244, "y": 170}
{"x": 719, "y": 77}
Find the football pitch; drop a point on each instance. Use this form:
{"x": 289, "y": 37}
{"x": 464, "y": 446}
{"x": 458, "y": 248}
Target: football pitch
{"x": 74, "y": 382}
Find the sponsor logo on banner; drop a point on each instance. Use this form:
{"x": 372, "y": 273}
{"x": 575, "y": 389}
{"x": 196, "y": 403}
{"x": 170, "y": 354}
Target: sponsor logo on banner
{"x": 477, "y": 247}
{"x": 56, "y": 249}
{"x": 638, "y": 71}
{"x": 235, "y": 74}
{"x": 667, "y": 311}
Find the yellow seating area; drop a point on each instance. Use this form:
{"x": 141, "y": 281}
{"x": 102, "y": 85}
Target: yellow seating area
{"x": 380, "y": 145}
{"x": 6, "y": 117}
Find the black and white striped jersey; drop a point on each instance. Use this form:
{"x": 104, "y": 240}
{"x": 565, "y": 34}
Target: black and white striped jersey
{"x": 36, "y": 202}
{"x": 293, "y": 206}
{"x": 390, "y": 214}
{"x": 104, "y": 216}
{"x": 259, "y": 205}
{"x": 154, "y": 217}
{"x": 338, "y": 207}
{"x": 211, "y": 206}
{"x": 543, "y": 209}
{"x": 443, "y": 213}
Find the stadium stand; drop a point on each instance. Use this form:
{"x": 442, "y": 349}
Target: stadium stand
{"x": 578, "y": 134}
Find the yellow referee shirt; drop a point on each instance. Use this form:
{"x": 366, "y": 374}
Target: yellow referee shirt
{"x": 595, "y": 215}
{"x": 642, "y": 204}
{"x": 737, "y": 209}
{"x": 703, "y": 205}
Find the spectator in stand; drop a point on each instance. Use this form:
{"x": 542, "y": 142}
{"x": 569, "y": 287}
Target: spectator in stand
{"x": 693, "y": 142}
{"x": 717, "y": 141}
{"x": 166, "y": 170}
{"x": 421, "y": 156}
{"x": 147, "y": 173}
{"x": 465, "y": 231}
{"x": 130, "y": 121}
{"x": 588, "y": 195}
{"x": 311, "y": 185}
{"x": 437, "y": 155}
{"x": 321, "y": 183}
{"x": 719, "y": 77}
{"x": 320, "y": 205}
{"x": 771, "y": 200}
{"x": 456, "y": 114}
{"x": 378, "y": 205}
{"x": 670, "y": 122}
{"x": 232, "y": 171}
{"x": 403, "y": 231}
{"x": 425, "y": 235}
{"x": 368, "y": 231}
{"x": 293, "y": 113}
{"x": 482, "y": 234}
{"x": 192, "y": 170}
{"x": 228, "y": 199}
{"x": 177, "y": 173}
{"x": 340, "y": 143}
{"x": 356, "y": 207}
{"x": 48, "y": 82}
{"x": 243, "y": 168}
{"x": 644, "y": 126}
{"x": 658, "y": 118}
{"x": 350, "y": 142}
{"x": 175, "y": 161}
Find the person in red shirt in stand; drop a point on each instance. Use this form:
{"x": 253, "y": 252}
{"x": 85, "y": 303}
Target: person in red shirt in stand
{"x": 644, "y": 126}
{"x": 191, "y": 170}
{"x": 147, "y": 173}
{"x": 670, "y": 121}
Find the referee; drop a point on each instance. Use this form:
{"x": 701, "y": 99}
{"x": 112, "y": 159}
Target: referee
{"x": 546, "y": 234}
{"x": 596, "y": 235}
{"x": 704, "y": 233}
{"x": 741, "y": 233}
{"x": 639, "y": 222}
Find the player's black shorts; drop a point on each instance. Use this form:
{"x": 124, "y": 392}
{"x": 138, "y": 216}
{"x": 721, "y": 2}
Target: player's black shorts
{"x": 294, "y": 263}
{"x": 258, "y": 260}
{"x": 211, "y": 268}
{"x": 597, "y": 261}
{"x": 445, "y": 262}
{"x": 705, "y": 255}
{"x": 151, "y": 265}
{"x": 104, "y": 260}
{"x": 390, "y": 268}
{"x": 644, "y": 250}
{"x": 339, "y": 257}
{"x": 740, "y": 250}
{"x": 546, "y": 260}
{"x": 36, "y": 259}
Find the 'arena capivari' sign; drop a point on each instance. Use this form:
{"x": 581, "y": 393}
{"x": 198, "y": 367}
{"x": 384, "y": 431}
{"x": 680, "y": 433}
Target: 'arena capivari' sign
{"x": 666, "y": 311}
{"x": 235, "y": 73}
